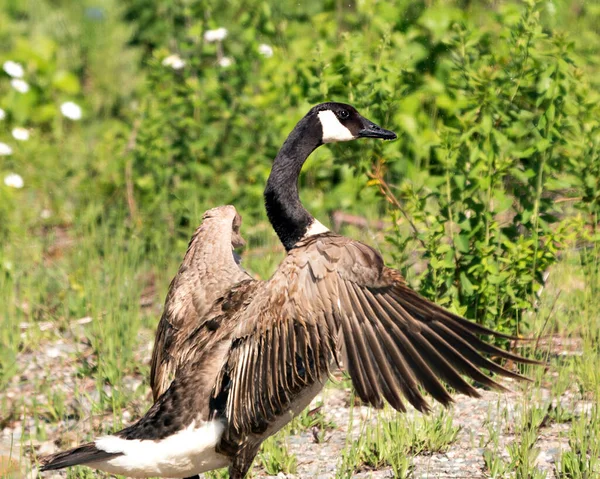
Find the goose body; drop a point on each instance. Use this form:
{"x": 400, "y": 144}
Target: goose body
{"x": 264, "y": 349}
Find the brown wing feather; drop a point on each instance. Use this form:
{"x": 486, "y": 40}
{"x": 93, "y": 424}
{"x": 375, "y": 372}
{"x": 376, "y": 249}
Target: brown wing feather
{"x": 333, "y": 290}
{"x": 209, "y": 269}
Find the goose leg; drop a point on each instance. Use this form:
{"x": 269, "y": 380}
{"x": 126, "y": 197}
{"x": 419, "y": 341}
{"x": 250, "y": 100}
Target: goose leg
{"x": 242, "y": 462}
{"x": 238, "y": 470}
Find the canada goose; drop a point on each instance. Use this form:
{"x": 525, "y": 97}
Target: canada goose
{"x": 273, "y": 344}
{"x": 209, "y": 269}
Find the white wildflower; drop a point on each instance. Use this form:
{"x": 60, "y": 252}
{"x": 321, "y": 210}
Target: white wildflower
{"x": 45, "y": 214}
{"x": 14, "y": 69}
{"x": 71, "y": 110}
{"x": 14, "y": 180}
{"x": 265, "y": 50}
{"x": 21, "y": 134}
{"x": 217, "y": 35}
{"x": 20, "y": 85}
{"x": 2, "y": 114}
{"x": 5, "y": 150}
{"x": 174, "y": 61}
{"x": 225, "y": 62}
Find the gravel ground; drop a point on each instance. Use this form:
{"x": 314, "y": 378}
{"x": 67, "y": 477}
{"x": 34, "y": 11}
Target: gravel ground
{"x": 56, "y": 363}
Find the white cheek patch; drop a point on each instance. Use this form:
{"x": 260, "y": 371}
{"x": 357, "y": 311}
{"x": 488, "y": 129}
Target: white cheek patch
{"x": 333, "y": 130}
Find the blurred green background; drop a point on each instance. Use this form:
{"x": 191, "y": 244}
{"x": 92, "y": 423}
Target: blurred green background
{"x": 122, "y": 121}
{"x": 183, "y": 105}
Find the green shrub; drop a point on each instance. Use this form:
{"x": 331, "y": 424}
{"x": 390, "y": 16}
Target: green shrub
{"x": 496, "y": 119}
{"x": 510, "y": 124}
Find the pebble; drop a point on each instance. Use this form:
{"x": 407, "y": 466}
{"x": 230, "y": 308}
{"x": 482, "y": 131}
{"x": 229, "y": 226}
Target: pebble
{"x": 53, "y": 353}
{"x": 47, "y": 447}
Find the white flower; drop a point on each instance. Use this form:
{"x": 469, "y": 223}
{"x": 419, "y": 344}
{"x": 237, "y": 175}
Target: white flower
{"x": 5, "y": 150}
{"x": 45, "y": 214}
{"x": 20, "y": 134}
{"x": 265, "y": 50}
{"x": 225, "y": 62}
{"x": 14, "y": 180}
{"x": 2, "y": 114}
{"x": 14, "y": 69}
{"x": 20, "y": 85}
{"x": 217, "y": 35}
{"x": 174, "y": 61}
{"x": 71, "y": 110}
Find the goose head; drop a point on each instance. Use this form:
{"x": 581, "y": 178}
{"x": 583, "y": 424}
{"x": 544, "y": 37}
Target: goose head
{"x": 341, "y": 122}
{"x": 325, "y": 123}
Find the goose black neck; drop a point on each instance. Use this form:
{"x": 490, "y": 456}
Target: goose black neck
{"x": 286, "y": 213}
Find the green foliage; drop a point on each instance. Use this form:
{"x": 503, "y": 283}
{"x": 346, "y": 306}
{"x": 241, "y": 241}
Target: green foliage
{"x": 582, "y": 460}
{"x": 313, "y": 421}
{"x": 218, "y": 474}
{"x": 393, "y": 439}
{"x": 513, "y": 122}
{"x": 208, "y": 133}
{"x": 61, "y": 51}
{"x": 496, "y": 116}
{"x": 72, "y": 52}
{"x": 275, "y": 457}
{"x": 9, "y": 342}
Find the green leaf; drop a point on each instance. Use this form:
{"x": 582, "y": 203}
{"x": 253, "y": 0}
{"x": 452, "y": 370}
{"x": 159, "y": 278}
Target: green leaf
{"x": 462, "y": 243}
{"x": 465, "y": 284}
{"x": 541, "y": 124}
{"x": 543, "y": 144}
{"x": 66, "y": 82}
{"x": 550, "y": 112}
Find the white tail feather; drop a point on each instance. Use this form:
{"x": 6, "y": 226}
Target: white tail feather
{"x": 189, "y": 452}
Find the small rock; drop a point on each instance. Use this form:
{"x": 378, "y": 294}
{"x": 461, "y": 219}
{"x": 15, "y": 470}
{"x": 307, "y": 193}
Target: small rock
{"x": 544, "y": 458}
{"x": 84, "y": 320}
{"x": 46, "y": 448}
{"x": 53, "y": 353}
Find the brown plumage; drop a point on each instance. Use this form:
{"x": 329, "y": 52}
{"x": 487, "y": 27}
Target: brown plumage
{"x": 209, "y": 269}
{"x": 248, "y": 354}
{"x": 331, "y": 291}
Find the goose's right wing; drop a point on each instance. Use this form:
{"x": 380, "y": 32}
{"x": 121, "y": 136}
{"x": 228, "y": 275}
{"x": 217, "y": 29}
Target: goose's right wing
{"x": 333, "y": 292}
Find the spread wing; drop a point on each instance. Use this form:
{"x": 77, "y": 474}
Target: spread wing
{"x": 209, "y": 269}
{"x": 333, "y": 300}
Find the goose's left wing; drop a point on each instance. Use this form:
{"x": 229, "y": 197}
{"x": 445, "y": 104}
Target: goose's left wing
{"x": 333, "y": 300}
{"x": 209, "y": 269}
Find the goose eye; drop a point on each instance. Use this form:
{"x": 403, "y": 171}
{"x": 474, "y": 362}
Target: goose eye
{"x": 343, "y": 114}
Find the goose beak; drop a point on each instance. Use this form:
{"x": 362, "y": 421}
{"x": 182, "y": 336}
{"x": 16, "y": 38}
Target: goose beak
{"x": 371, "y": 130}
